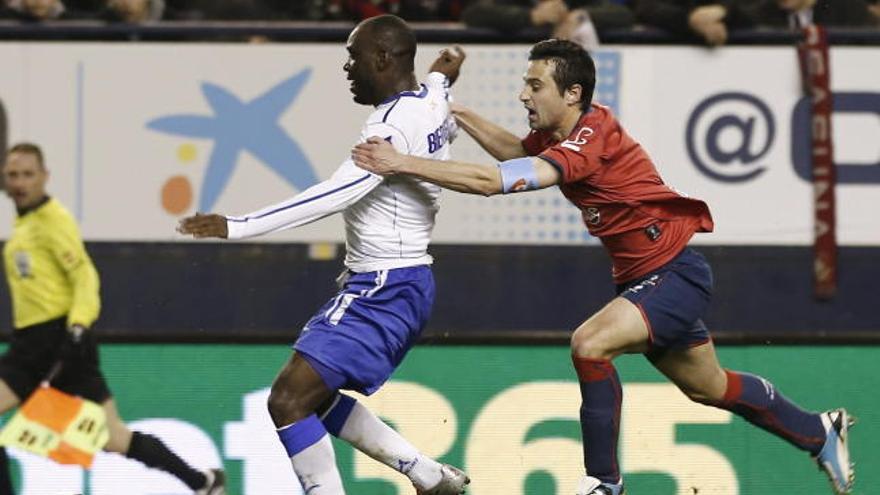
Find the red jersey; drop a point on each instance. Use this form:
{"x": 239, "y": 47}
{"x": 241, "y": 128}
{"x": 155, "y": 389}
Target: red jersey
{"x": 642, "y": 222}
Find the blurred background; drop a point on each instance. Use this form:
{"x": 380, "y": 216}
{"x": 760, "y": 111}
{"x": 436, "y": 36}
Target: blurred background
{"x": 139, "y": 103}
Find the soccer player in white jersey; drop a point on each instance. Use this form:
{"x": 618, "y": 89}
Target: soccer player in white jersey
{"x": 362, "y": 334}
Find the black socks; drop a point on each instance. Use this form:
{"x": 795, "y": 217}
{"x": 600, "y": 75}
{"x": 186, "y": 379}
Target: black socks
{"x": 155, "y": 454}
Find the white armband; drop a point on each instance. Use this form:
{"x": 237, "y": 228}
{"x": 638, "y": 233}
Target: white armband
{"x": 518, "y": 175}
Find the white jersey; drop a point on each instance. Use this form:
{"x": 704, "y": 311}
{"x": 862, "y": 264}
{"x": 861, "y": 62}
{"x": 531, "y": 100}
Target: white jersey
{"x": 388, "y": 220}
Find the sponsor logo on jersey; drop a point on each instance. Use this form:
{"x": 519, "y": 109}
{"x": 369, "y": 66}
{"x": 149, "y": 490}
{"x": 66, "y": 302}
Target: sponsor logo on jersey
{"x": 438, "y": 138}
{"x": 579, "y": 140}
{"x": 653, "y": 232}
{"x": 594, "y": 217}
{"x": 648, "y": 282}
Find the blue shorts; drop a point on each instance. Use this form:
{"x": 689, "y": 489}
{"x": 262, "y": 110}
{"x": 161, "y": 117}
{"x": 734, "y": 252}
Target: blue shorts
{"x": 357, "y": 340}
{"x": 672, "y": 300}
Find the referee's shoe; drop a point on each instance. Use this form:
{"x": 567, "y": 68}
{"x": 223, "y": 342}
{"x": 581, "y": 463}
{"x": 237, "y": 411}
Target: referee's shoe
{"x": 216, "y": 484}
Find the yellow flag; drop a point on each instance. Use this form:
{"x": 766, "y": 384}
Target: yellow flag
{"x": 64, "y": 428}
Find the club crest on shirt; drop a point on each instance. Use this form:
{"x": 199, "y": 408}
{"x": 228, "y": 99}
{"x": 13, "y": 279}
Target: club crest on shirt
{"x": 23, "y": 264}
{"x": 579, "y": 139}
{"x": 592, "y": 215}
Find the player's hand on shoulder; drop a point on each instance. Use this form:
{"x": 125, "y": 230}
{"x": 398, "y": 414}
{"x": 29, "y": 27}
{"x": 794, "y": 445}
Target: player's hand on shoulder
{"x": 376, "y": 155}
{"x": 458, "y": 110}
{"x": 203, "y": 225}
{"x": 449, "y": 62}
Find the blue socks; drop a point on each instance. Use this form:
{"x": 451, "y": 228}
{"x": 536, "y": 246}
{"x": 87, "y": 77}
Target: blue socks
{"x": 338, "y": 413}
{"x": 758, "y": 401}
{"x": 749, "y": 396}
{"x": 301, "y": 435}
{"x": 601, "y": 397}
{"x": 311, "y": 455}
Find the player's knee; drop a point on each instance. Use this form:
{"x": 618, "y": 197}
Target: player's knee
{"x": 707, "y": 394}
{"x": 115, "y": 446}
{"x": 285, "y": 406}
{"x": 699, "y": 397}
{"x": 586, "y": 342}
{"x": 588, "y": 351}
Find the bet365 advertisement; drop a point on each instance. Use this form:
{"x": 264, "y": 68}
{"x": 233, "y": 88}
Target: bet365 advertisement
{"x": 508, "y": 415}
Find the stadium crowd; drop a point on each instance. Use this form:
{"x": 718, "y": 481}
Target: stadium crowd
{"x": 701, "y": 21}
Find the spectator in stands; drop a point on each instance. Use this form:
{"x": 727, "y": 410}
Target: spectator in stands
{"x": 706, "y": 21}
{"x": 134, "y": 11}
{"x": 874, "y": 7}
{"x": 604, "y": 14}
{"x": 410, "y": 10}
{"x": 799, "y": 13}
{"x": 73, "y": 9}
{"x": 31, "y": 10}
{"x": 432, "y": 10}
{"x": 511, "y": 16}
{"x": 577, "y": 19}
{"x": 141, "y": 11}
{"x": 308, "y": 10}
{"x": 234, "y": 10}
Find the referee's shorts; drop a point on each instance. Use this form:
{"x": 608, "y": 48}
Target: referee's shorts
{"x": 34, "y": 350}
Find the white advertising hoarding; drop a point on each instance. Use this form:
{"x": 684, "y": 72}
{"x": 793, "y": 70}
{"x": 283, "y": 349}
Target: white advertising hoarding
{"x": 139, "y": 135}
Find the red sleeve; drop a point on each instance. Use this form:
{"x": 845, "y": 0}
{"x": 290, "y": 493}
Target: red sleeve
{"x": 578, "y": 157}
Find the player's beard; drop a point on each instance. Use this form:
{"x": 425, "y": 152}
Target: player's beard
{"x": 361, "y": 93}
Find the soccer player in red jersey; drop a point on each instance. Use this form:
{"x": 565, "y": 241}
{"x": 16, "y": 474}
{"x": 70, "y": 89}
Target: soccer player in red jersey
{"x": 663, "y": 286}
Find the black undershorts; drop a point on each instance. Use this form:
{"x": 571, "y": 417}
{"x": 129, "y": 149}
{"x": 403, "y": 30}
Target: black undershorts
{"x": 34, "y": 350}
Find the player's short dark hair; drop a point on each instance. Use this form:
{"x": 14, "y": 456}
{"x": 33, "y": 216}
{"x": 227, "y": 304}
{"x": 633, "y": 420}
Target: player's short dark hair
{"x": 393, "y": 34}
{"x": 29, "y": 148}
{"x": 573, "y": 65}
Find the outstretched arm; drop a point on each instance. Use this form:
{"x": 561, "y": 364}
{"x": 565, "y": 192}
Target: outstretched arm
{"x": 496, "y": 140}
{"x": 345, "y": 187}
{"x": 517, "y": 175}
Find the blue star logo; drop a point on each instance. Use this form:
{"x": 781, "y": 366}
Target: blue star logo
{"x": 237, "y": 126}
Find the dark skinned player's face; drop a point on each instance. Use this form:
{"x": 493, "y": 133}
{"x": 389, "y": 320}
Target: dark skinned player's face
{"x": 361, "y": 67}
